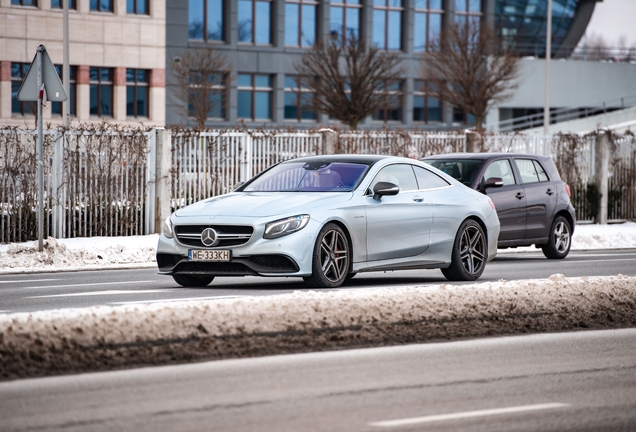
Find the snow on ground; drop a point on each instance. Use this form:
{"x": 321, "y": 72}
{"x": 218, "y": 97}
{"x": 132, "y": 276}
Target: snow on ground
{"x": 107, "y": 337}
{"x": 139, "y": 251}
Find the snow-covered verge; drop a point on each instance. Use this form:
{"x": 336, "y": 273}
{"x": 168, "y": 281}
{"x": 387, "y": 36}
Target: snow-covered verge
{"x": 139, "y": 251}
{"x": 101, "y": 338}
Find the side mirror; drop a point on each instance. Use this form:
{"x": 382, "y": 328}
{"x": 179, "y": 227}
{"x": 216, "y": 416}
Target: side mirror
{"x": 493, "y": 182}
{"x": 238, "y": 185}
{"x": 384, "y": 188}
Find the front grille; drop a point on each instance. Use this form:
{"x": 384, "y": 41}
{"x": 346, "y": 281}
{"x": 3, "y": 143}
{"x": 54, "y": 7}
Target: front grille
{"x": 229, "y": 235}
{"x": 214, "y": 268}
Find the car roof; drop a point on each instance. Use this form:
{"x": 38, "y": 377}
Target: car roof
{"x": 344, "y": 158}
{"x": 483, "y": 156}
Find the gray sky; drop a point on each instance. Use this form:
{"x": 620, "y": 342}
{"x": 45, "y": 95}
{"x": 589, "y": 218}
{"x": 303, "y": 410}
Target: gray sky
{"x": 613, "y": 19}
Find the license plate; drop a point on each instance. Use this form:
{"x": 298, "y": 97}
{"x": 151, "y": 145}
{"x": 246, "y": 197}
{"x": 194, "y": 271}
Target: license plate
{"x": 222, "y": 255}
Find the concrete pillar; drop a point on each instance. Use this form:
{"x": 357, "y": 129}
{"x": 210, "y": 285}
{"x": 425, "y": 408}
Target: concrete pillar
{"x": 163, "y": 179}
{"x": 329, "y": 141}
{"x": 601, "y": 164}
{"x": 119, "y": 94}
{"x": 83, "y": 102}
{"x": 473, "y": 142}
{"x": 5, "y": 89}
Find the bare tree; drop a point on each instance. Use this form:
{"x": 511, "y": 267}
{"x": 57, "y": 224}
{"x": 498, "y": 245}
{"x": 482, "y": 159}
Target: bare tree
{"x": 201, "y": 77}
{"x": 347, "y": 78}
{"x": 469, "y": 67}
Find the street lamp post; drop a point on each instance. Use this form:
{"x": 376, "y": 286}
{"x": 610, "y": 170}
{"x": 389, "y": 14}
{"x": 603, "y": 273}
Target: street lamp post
{"x": 548, "y": 55}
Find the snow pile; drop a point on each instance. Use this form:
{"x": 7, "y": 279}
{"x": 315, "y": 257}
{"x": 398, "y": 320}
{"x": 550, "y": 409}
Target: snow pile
{"x": 104, "y": 337}
{"x": 79, "y": 254}
{"x": 139, "y": 251}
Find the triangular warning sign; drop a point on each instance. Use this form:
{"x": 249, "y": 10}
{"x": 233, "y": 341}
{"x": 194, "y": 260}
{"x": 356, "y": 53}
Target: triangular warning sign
{"x": 29, "y": 88}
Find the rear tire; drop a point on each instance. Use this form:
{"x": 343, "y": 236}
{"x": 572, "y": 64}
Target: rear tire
{"x": 470, "y": 251}
{"x": 331, "y": 258}
{"x": 193, "y": 281}
{"x": 560, "y": 241}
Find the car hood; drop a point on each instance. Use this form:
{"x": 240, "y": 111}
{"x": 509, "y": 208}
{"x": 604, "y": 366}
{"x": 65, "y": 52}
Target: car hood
{"x": 261, "y": 204}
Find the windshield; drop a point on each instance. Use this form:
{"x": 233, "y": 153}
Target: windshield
{"x": 463, "y": 170}
{"x": 319, "y": 176}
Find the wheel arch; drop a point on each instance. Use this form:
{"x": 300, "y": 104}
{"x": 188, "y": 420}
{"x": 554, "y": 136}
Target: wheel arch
{"x": 566, "y": 214}
{"x": 349, "y": 239}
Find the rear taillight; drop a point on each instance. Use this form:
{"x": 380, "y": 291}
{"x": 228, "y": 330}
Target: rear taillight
{"x": 567, "y": 189}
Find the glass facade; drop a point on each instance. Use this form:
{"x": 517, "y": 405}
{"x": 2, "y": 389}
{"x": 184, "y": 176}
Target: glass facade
{"x": 387, "y": 24}
{"x": 139, "y": 7}
{"x": 18, "y": 73}
{"x": 137, "y": 93}
{"x": 101, "y": 91}
{"x": 345, "y": 18}
{"x": 56, "y": 107}
{"x": 300, "y": 22}
{"x": 522, "y": 23}
{"x": 101, "y": 5}
{"x": 59, "y": 4}
{"x": 297, "y": 101}
{"x": 427, "y": 23}
{"x": 393, "y": 104}
{"x": 254, "y": 21}
{"x": 206, "y": 20}
{"x": 24, "y": 2}
{"x": 254, "y": 97}
{"x": 425, "y": 108}
{"x": 468, "y": 11}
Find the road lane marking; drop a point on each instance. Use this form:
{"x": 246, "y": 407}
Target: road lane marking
{"x": 467, "y": 414}
{"x": 92, "y": 284}
{"x": 97, "y": 293}
{"x": 179, "y": 299}
{"x": 25, "y": 281}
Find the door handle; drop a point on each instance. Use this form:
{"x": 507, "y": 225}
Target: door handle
{"x": 519, "y": 195}
{"x": 549, "y": 191}
{"x": 418, "y": 199}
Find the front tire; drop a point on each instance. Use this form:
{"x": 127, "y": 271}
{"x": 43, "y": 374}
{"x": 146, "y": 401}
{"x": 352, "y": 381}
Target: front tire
{"x": 331, "y": 258}
{"x": 468, "y": 258}
{"x": 192, "y": 281}
{"x": 560, "y": 241}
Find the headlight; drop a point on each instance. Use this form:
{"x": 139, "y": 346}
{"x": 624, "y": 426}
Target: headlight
{"x": 167, "y": 228}
{"x": 285, "y": 226}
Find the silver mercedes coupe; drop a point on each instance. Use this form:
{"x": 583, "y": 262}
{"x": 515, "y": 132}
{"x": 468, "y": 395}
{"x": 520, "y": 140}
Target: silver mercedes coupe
{"x": 327, "y": 218}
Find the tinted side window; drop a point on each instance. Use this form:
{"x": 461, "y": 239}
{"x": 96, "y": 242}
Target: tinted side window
{"x": 500, "y": 168}
{"x": 427, "y": 179}
{"x": 399, "y": 174}
{"x": 540, "y": 171}
{"x": 527, "y": 170}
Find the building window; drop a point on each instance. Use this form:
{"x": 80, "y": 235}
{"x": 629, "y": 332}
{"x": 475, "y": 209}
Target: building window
{"x": 101, "y": 5}
{"x": 137, "y": 92}
{"x": 468, "y": 11}
{"x": 392, "y": 110}
{"x": 462, "y": 117}
{"x": 139, "y": 7}
{"x": 254, "y": 97}
{"x": 205, "y": 20}
{"x": 300, "y": 22}
{"x": 427, "y": 23}
{"x": 425, "y": 108}
{"x": 254, "y": 21}
{"x": 24, "y": 2}
{"x": 59, "y": 4}
{"x": 345, "y": 18}
{"x": 387, "y": 24}
{"x": 56, "y": 107}
{"x": 18, "y": 73}
{"x": 297, "y": 106}
{"x": 101, "y": 91}
{"x": 207, "y": 94}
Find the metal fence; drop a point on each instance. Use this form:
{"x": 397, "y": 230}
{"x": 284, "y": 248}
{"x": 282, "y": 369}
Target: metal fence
{"x": 96, "y": 183}
{"x": 103, "y": 183}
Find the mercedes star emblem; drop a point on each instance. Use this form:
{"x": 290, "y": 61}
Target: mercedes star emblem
{"x": 209, "y": 238}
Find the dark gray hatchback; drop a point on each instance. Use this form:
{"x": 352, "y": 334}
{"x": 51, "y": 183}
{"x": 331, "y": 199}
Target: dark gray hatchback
{"x": 532, "y": 201}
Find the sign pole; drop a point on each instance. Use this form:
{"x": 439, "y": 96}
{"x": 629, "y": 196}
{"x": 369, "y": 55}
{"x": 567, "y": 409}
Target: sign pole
{"x": 66, "y": 73}
{"x": 40, "y": 152}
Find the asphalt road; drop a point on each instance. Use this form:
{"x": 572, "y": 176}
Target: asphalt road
{"x": 45, "y": 291}
{"x": 580, "y": 381}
